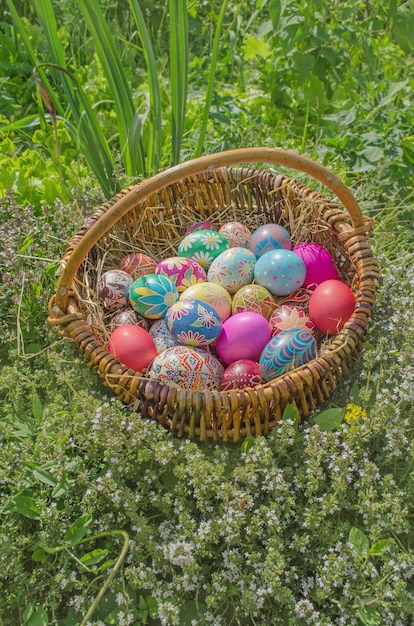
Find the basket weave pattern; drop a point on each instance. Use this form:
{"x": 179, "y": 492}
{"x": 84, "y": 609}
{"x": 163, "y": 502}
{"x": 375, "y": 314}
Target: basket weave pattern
{"x": 153, "y": 216}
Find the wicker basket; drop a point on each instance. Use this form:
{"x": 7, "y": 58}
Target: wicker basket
{"x": 152, "y": 217}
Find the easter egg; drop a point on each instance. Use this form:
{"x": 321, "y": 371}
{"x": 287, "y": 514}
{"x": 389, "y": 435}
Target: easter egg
{"x": 285, "y": 352}
{"x": 298, "y": 299}
{"x": 128, "y": 316}
{"x": 161, "y": 336}
{"x": 269, "y": 237}
{"x": 281, "y": 271}
{"x": 319, "y": 263}
{"x": 181, "y": 271}
{"x": 213, "y": 294}
{"x": 189, "y": 368}
{"x": 241, "y": 374}
{"x": 193, "y": 323}
{"x": 238, "y": 234}
{"x": 286, "y": 317}
{"x": 232, "y": 269}
{"x": 138, "y": 264}
{"x": 243, "y": 336}
{"x": 152, "y": 294}
{"x": 253, "y": 298}
{"x": 331, "y": 305}
{"x": 133, "y": 346}
{"x": 113, "y": 289}
{"x": 205, "y": 225}
{"x": 202, "y": 246}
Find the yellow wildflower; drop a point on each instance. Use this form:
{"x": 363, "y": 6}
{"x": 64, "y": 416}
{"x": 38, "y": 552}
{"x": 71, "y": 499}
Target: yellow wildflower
{"x": 354, "y": 412}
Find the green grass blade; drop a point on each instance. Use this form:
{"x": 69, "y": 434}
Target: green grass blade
{"x": 117, "y": 80}
{"x": 210, "y": 84}
{"x": 178, "y": 72}
{"x": 155, "y": 145}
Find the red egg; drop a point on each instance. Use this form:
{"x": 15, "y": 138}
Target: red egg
{"x": 241, "y": 374}
{"x": 133, "y": 346}
{"x": 331, "y": 305}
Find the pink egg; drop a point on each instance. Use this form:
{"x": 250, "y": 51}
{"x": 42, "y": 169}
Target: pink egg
{"x": 206, "y": 225}
{"x": 243, "y": 336}
{"x": 319, "y": 263}
{"x": 288, "y": 317}
{"x": 181, "y": 271}
{"x": 241, "y": 374}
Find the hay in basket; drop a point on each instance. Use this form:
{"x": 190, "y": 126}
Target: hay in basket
{"x": 152, "y": 216}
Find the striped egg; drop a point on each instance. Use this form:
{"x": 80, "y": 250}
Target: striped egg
{"x": 285, "y": 352}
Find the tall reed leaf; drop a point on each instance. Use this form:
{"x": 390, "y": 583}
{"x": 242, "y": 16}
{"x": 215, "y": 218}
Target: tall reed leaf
{"x": 155, "y": 144}
{"x": 210, "y": 84}
{"x": 119, "y": 87}
{"x": 178, "y": 72}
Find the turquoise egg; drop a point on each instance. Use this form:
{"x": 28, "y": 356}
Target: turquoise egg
{"x": 285, "y": 352}
{"x": 233, "y": 269}
{"x": 152, "y": 294}
{"x": 193, "y": 322}
{"x": 281, "y": 271}
{"x": 203, "y": 246}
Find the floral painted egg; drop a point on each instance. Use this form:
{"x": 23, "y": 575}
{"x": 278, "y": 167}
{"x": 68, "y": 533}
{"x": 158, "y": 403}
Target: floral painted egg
{"x": 298, "y": 299}
{"x": 113, "y": 289}
{"x": 181, "y": 271}
{"x": 213, "y": 294}
{"x": 193, "y": 323}
{"x": 232, "y": 269}
{"x": 269, "y": 237}
{"x": 128, "y": 316}
{"x": 286, "y": 317}
{"x": 287, "y": 351}
{"x": 319, "y": 264}
{"x": 237, "y": 234}
{"x": 152, "y": 294}
{"x": 241, "y": 374}
{"x": 281, "y": 271}
{"x": 203, "y": 246}
{"x": 138, "y": 264}
{"x": 205, "y": 225}
{"x": 161, "y": 336}
{"x": 189, "y": 368}
{"x": 254, "y": 298}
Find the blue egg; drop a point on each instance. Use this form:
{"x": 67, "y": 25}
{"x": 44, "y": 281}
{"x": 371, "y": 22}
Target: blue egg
{"x": 285, "y": 352}
{"x": 193, "y": 322}
{"x": 281, "y": 271}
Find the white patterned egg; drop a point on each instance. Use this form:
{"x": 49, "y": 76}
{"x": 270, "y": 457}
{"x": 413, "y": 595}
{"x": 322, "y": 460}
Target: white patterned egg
{"x": 188, "y": 368}
{"x": 233, "y": 269}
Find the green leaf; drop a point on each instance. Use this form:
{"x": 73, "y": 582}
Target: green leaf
{"x": 179, "y": 56}
{"x": 247, "y": 443}
{"x": 191, "y": 611}
{"x": 291, "y": 413}
{"x": 35, "y": 616}
{"x": 359, "y": 540}
{"x": 26, "y": 506}
{"x": 379, "y": 547}
{"x": 329, "y": 419}
{"x": 93, "y": 557}
{"x": 78, "y": 529}
{"x": 44, "y": 476}
{"x": 370, "y": 616}
{"x": 40, "y": 556}
{"x": 37, "y": 407}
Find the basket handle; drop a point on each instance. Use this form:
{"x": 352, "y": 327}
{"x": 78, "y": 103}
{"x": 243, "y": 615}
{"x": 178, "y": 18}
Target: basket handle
{"x": 141, "y": 191}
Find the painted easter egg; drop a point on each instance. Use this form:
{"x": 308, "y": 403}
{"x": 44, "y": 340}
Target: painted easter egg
{"x": 232, "y": 269}
{"x": 181, "y": 271}
{"x": 269, "y": 237}
{"x": 113, "y": 289}
{"x": 298, "y": 299}
{"x": 152, "y": 294}
{"x": 319, "y": 263}
{"x": 133, "y": 346}
{"x": 281, "y": 271}
{"x": 128, "y": 316}
{"x": 138, "y": 264}
{"x": 238, "y": 234}
{"x": 205, "y": 225}
{"x": 193, "y": 323}
{"x": 189, "y": 368}
{"x": 285, "y": 352}
{"x": 241, "y": 374}
{"x": 213, "y": 294}
{"x": 286, "y": 317}
{"x": 203, "y": 246}
{"x": 243, "y": 336}
{"x": 161, "y": 336}
{"x": 254, "y": 298}
{"x": 331, "y": 305}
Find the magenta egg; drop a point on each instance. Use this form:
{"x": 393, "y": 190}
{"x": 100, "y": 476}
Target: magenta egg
{"x": 241, "y": 374}
{"x": 243, "y": 336}
{"x": 319, "y": 263}
{"x": 181, "y": 271}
